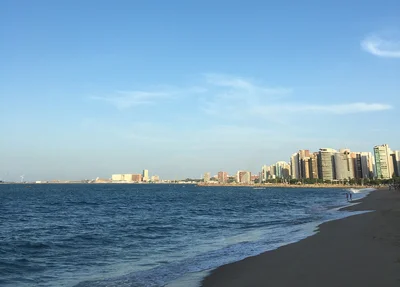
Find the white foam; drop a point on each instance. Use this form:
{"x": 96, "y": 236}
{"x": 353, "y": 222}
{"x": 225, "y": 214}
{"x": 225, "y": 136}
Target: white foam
{"x": 361, "y": 190}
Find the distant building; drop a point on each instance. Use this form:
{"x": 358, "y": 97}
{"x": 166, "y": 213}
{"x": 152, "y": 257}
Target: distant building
{"x": 313, "y": 165}
{"x": 127, "y": 177}
{"x": 282, "y": 169}
{"x": 244, "y": 177}
{"x": 326, "y": 164}
{"x": 343, "y": 165}
{"x": 117, "y": 177}
{"x": 305, "y": 167}
{"x": 155, "y": 178}
{"x": 207, "y": 177}
{"x": 222, "y": 177}
{"x": 304, "y": 155}
{"x": 254, "y": 177}
{"x": 264, "y": 171}
{"x": 367, "y": 165}
{"x": 396, "y": 162}
{"x": 383, "y": 161}
{"x": 295, "y": 166}
{"x": 145, "y": 175}
{"x": 136, "y": 177}
{"x": 356, "y": 156}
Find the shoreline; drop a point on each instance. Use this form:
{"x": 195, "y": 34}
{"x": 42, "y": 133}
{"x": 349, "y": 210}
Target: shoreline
{"x": 281, "y": 185}
{"x": 359, "y": 250}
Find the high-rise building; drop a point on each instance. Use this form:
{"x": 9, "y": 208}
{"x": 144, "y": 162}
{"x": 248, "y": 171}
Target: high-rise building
{"x": 299, "y": 164}
{"x": 396, "y": 162}
{"x": 145, "y": 175}
{"x": 383, "y": 161}
{"x": 343, "y": 165}
{"x": 294, "y": 164}
{"x": 305, "y": 167}
{"x": 243, "y": 177}
{"x": 264, "y": 171}
{"x": 356, "y": 156}
{"x": 207, "y": 177}
{"x": 313, "y": 165}
{"x": 326, "y": 164}
{"x": 304, "y": 155}
{"x": 367, "y": 165}
{"x": 222, "y": 177}
{"x": 282, "y": 169}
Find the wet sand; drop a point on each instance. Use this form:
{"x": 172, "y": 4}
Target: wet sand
{"x": 360, "y": 250}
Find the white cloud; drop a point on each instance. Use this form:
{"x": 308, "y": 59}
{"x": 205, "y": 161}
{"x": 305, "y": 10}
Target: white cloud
{"x": 239, "y": 98}
{"x": 340, "y": 109}
{"x": 220, "y": 80}
{"x": 123, "y": 99}
{"x": 382, "y": 47}
{"x": 131, "y": 99}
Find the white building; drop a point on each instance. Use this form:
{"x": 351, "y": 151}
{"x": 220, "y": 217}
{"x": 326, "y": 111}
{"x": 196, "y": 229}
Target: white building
{"x": 383, "y": 161}
{"x": 117, "y": 177}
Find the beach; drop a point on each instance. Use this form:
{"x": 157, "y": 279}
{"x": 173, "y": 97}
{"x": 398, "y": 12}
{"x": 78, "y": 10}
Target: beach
{"x": 360, "y": 250}
{"x": 286, "y": 185}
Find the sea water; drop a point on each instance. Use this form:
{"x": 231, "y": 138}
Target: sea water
{"x": 148, "y": 235}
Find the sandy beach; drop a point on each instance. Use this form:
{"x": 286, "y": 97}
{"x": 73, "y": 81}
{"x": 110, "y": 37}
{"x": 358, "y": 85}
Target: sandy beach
{"x": 360, "y": 250}
{"x": 285, "y": 185}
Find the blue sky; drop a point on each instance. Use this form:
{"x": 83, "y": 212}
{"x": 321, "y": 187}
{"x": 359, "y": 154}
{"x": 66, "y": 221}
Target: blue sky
{"x": 91, "y": 88}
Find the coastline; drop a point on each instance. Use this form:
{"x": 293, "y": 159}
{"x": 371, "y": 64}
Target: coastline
{"x": 280, "y": 185}
{"x": 359, "y": 250}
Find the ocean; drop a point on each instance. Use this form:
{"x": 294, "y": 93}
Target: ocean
{"x": 148, "y": 235}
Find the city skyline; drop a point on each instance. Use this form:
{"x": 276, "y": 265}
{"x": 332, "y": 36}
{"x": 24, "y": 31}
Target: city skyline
{"x": 177, "y": 88}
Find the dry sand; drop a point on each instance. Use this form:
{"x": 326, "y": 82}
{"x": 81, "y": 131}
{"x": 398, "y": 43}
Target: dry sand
{"x": 360, "y": 250}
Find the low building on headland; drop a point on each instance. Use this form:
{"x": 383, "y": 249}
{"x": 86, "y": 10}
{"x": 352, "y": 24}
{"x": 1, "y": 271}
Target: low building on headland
{"x": 127, "y": 177}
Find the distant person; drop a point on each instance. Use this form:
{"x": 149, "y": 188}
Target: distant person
{"x": 351, "y": 196}
{"x": 347, "y": 196}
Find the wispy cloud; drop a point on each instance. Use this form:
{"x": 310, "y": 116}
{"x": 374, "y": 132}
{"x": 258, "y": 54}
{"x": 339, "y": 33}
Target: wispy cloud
{"x": 388, "y": 47}
{"x": 233, "y": 97}
{"x": 124, "y": 99}
{"x": 339, "y": 109}
{"x": 220, "y": 80}
{"x": 131, "y": 99}
{"x": 237, "y": 97}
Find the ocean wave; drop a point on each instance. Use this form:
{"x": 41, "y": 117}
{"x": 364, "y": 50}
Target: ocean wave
{"x": 361, "y": 190}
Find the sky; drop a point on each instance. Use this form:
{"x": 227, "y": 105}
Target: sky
{"x": 96, "y": 87}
